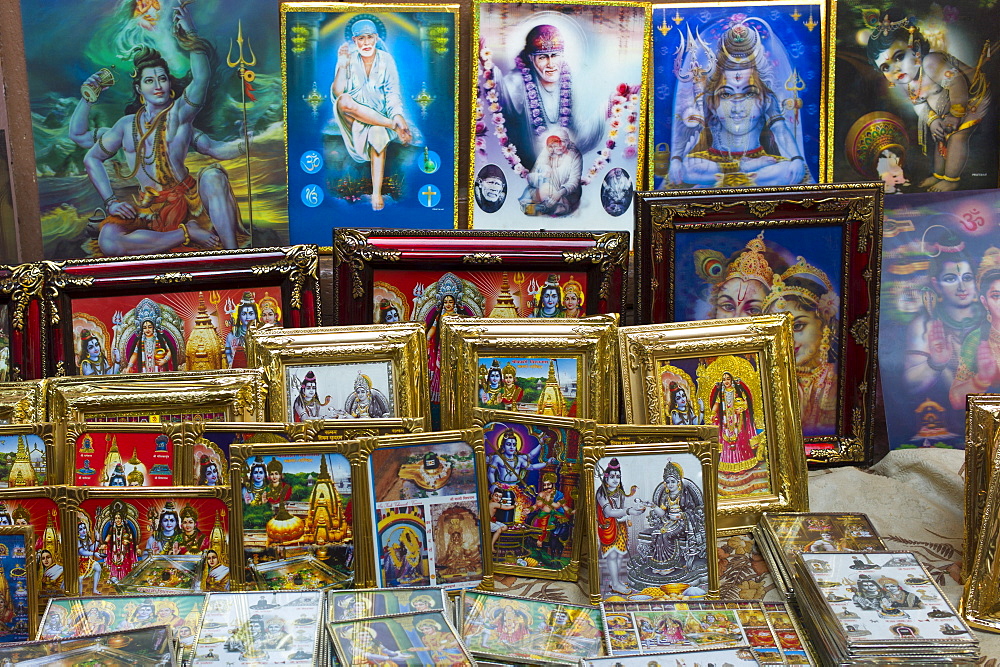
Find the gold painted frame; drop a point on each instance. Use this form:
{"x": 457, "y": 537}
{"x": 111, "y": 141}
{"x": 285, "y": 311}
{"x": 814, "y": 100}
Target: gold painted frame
{"x": 644, "y": 348}
{"x": 982, "y": 443}
{"x": 71, "y": 431}
{"x": 403, "y": 346}
{"x": 340, "y": 656}
{"x": 262, "y": 432}
{"x": 352, "y": 429}
{"x": 77, "y": 495}
{"x": 23, "y": 402}
{"x": 240, "y": 464}
{"x": 473, "y": 437}
{"x": 586, "y": 430}
{"x": 67, "y": 555}
{"x": 49, "y": 433}
{"x": 590, "y": 341}
{"x": 980, "y": 603}
{"x": 31, "y": 574}
{"x": 238, "y": 395}
{"x": 627, "y": 441}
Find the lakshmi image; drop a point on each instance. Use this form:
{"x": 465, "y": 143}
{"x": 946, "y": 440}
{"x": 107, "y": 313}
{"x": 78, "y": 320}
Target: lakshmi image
{"x": 949, "y": 97}
{"x": 174, "y": 210}
{"x": 614, "y": 510}
{"x": 732, "y": 409}
{"x": 367, "y": 99}
{"x": 730, "y": 127}
{"x": 807, "y": 294}
{"x": 450, "y": 295}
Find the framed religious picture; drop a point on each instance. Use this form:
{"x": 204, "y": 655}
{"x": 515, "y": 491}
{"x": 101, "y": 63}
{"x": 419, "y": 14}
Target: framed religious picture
{"x": 911, "y": 95}
{"x": 559, "y": 118}
{"x": 366, "y": 372}
{"x": 208, "y": 445}
{"x": 226, "y": 395}
{"x": 295, "y": 516}
{"x": 415, "y": 639}
{"x": 529, "y": 630}
{"x": 371, "y": 97}
{"x": 734, "y": 375}
{"x": 533, "y": 468}
{"x": 940, "y": 265}
{"x": 28, "y": 455}
{"x": 22, "y": 402}
{"x": 738, "y": 93}
{"x": 208, "y": 176}
{"x": 550, "y": 367}
{"x": 134, "y": 455}
{"x": 187, "y": 312}
{"x": 18, "y": 584}
{"x": 652, "y": 503}
{"x": 735, "y": 657}
{"x": 145, "y": 646}
{"x": 393, "y": 276}
{"x": 153, "y": 541}
{"x": 743, "y": 252}
{"x": 22, "y": 322}
{"x": 981, "y": 439}
{"x": 426, "y": 510}
{"x": 81, "y": 616}
{"x": 349, "y": 605}
{"x": 39, "y": 509}
{"x": 264, "y": 628}
{"x": 980, "y": 600}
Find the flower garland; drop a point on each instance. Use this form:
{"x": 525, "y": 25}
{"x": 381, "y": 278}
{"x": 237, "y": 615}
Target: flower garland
{"x": 623, "y": 103}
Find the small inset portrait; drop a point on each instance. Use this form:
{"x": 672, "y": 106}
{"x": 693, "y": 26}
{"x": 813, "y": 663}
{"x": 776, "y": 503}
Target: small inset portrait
{"x": 616, "y": 192}
{"x": 490, "y": 188}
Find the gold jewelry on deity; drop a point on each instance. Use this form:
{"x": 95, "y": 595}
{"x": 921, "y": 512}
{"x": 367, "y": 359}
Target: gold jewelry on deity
{"x": 187, "y": 235}
{"x": 824, "y": 342}
{"x": 958, "y": 110}
{"x": 780, "y": 289}
{"x": 950, "y": 179}
{"x": 100, "y": 142}
{"x": 751, "y": 264}
{"x": 990, "y": 262}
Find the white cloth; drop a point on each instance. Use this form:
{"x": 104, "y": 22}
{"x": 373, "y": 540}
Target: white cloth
{"x": 378, "y": 90}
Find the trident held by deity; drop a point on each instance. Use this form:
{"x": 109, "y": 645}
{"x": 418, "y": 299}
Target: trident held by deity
{"x": 242, "y": 65}
{"x": 794, "y": 84}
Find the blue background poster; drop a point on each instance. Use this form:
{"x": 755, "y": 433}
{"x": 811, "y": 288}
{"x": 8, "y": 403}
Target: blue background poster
{"x": 330, "y": 170}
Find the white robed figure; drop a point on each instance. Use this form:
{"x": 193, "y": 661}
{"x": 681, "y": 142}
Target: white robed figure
{"x": 368, "y": 106}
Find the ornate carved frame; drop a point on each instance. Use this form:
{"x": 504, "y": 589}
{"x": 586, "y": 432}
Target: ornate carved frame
{"x": 359, "y": 252}
{"x": 48, "y": 432}
{"x": 982, "y": 430}
{"x": 856, "y": 208}
{"x": 72, "y": 431}
{"x": 769, "y": 337}
{"x": 293, "y": 270}
{"x": 21, "y": 289}
{"x": 22, "y": 402}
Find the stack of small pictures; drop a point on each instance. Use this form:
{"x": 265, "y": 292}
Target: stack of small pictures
{"x": 144, "y": 646}
{"x": 506, "y": 628}
{"x": 413, "y": 639}
{"x": 780, "y": 536}
{"x": 874, "y": 606}
{"x": 731, "y": 657}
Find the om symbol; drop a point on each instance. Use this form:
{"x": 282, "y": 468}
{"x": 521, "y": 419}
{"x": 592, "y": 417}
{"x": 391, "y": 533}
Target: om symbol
{"x": 972, "y": 219}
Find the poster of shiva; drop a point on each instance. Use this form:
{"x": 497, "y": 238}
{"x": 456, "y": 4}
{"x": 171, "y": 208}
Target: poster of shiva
{"x": 913, "y": 87}
{"x": 730, "y": 273}
{"x": 115, "y": 537}
{"x": 296, "y": 521}
{"x": 173, "y": 331}
{"x": 426, "y": 296}
{"x": 426, "y": 510}
{"x": 533, "y": 471}
{"x": 939, "y": 329}
{"x": 340, "y": 391}
{"x": 157, "y": 129}
{"x": 538, "y": 385}
{"x": 41, "y": 513}
{"x": 737, "y": 94}
{"x": 371, "y": 101}
{"x": 650, "y": 521}
{"x": 725, "y": 391}
{"x": 559, "y": 124}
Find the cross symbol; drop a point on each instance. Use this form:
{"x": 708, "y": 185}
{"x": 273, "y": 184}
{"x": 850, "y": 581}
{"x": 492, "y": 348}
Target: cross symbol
{"x": 429, "y": 192}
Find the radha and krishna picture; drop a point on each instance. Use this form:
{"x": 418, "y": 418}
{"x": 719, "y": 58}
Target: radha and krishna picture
{"x": 650, "y": 522}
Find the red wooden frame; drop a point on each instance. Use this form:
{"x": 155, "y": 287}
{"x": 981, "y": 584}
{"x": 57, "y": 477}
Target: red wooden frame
{"x": 293, "y": 271}
{"x": 855, "y": 207}
{"x": 21, "y": 290}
